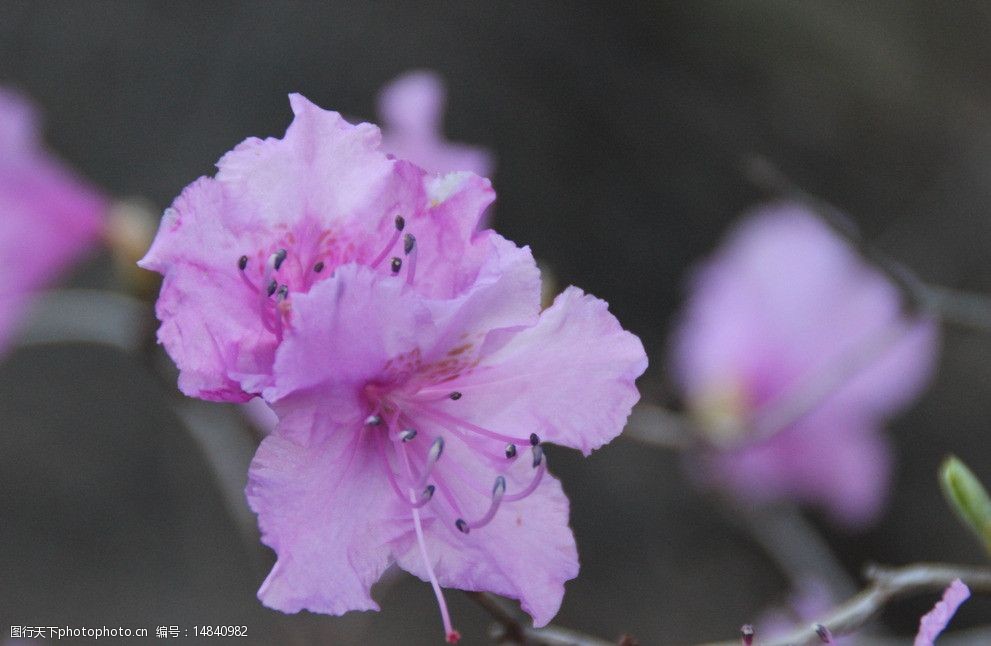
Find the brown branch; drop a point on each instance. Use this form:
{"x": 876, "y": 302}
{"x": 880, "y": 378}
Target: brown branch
{"x": 512, "y": 628}
{"x": 886, "y": 585}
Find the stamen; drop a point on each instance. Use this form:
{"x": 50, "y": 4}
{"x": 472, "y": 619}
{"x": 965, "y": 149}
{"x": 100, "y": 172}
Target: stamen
{"x": 534, "y": 439}
{"x": 409, "y": 248}
{"x": 242, "y": 262}
{"x": 278, "y": 258}
{"x": 282, "y": 293}
{"x": 747, "y": 634}
{"x": 462, "y": 526}
{"x": 272, "y": 286}
{"x": 538, "y": 455}
{"x": 825, "y": 636}
{"x": 443, "y": 418}
{"x": 510, "y": 451}
{"x": 455, "y": 395}
{"x": 452, "y": 635}
{"x": 498, "y": 491}
{"x": 318, "y": 267}
{"x": 396, "y": 264}
{"x": 407, "y": 434}
{"x": 433, "y": 454}
{"x": 400, "y": 225}
{"x": 373, "y": 420}
{"x": 530, "y": 488}
{"x": 425, "y": 496}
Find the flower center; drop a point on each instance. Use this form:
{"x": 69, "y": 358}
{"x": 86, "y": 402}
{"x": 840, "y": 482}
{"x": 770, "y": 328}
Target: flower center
{"x": 294, "y": 264}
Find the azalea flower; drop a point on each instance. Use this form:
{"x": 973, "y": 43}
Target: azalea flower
{"x": 415, "y": 378}
{"x": 935, "y": 621}
{"x": 791, "y": 354}
{"x": 279, "y": 217}
{"x": 412, "y": 109}
{"x": 48, "y": 217}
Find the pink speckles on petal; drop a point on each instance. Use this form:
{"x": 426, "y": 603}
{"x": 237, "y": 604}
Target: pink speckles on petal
{"x": 936, "y": 620}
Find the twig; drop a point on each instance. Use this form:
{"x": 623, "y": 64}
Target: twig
{"x": 86, "y": 316}
{"x": 795, "y": 546}
{"x": 886, "y": 585}
{"x": 510, "y": 628}
{"x": 966, "y": 310}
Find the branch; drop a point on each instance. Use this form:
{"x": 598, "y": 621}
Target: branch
{"x": 510, "y": 628}
{"x": 886, "y": 585}
{"x": 966, "y": 310}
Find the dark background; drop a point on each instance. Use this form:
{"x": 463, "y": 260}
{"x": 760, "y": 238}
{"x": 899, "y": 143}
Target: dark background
{"x": 619, "y": 131}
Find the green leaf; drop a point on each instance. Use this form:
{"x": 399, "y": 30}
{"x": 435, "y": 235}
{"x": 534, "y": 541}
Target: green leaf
{"x": 968, "y": 497}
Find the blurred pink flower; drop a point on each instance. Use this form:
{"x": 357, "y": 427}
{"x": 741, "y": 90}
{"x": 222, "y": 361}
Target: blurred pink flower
{"x": 280, "y": 217}
{"x": 48, "y": 217}
{"x": 791, "y": 353}
{"x": 936, "y": 620}
{"x": 412, "y": 108}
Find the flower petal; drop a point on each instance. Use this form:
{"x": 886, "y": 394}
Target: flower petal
{"x": 936, "y": 620}
{"x": 570, "y": 378}
{"x": 327, "y": 511}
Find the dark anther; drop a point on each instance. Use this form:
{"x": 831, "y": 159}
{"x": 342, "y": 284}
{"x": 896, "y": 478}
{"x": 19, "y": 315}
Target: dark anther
{"x": 373, "y": 420}
{"x": 428, "y": 493}
{"x": 280, "y": 257}
{"x": 510, "y": 451}
{"x": 242, "y": 262}
{"x": 500, "y": 486}
{"x": 747, "y": 633}
{"x": 283, "y": 292}
{"x": 436, "y": 448}
{"x": 396, "y": 264}
{"x": 272, "y": 286}
{"x": 538, "y": 455}
{"x": 408, "y": 243}
{"x": 824, "y": 634}
{"x": 400, "y": 223}
{"x": 455, "y": 395}
{"x": 462, "y": 525}
{"x": 407, "y": 434}
{"x": 318, "y": 267}
{"x": 534, "y": 439}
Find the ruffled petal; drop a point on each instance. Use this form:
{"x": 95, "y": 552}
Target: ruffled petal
{"x": 326, "y": 510}
{"x": 570, "y": 378}
{"x": 936, "y": 620}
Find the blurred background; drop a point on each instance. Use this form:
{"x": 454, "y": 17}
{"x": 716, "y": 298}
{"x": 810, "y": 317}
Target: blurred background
{"x": 619, "y": 132}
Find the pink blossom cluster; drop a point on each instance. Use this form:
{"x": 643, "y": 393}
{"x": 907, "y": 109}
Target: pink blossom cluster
{"x": 405, "y": 353}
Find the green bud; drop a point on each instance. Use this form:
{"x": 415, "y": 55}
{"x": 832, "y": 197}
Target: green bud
{"x": 968, "y": 497}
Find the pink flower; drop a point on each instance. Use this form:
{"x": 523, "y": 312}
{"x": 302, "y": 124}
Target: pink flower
{"x": 411, "y": 108}
{"x": 49, "y": 216}
{"x": 791, "y": 353}
{"x": 411, "y": 429}
{"x": 936, "y": 620}
{"x": 280, "y": 217}
{"x": 413, "y": 394}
